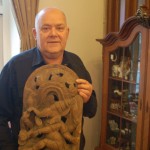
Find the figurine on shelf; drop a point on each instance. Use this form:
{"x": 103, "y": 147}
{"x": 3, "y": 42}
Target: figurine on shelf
{"x": 113, "y": 57}
{"x": 115, "y": 71}
{"x": 118, "y": 93}
{"x": 124, "y": 68}
{"x": 126, "y": 132}
{"x": 115, "y": 66}
{"x": 113, "y": 126}
{"x": 115, "y": 106}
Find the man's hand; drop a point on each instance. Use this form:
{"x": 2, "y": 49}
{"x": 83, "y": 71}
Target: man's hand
{"x": 85, "y": 89}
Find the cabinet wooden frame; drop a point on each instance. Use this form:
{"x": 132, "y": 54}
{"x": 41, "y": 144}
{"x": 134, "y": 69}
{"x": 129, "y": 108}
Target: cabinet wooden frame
{"x": 129, "y": 31}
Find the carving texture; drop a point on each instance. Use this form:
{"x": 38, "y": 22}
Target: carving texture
{"x": 143, "y": 15}
{"x": 52, "y": 110}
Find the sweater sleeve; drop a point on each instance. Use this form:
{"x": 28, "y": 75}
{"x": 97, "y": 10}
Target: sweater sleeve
{"x": 90, "y": 108}
{"x": 75, "y": 63}
{"x": 6, "y": 112}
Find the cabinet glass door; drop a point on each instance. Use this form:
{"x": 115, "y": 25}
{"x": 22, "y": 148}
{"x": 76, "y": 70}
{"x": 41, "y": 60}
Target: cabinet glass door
{"x": 123, "y": 94}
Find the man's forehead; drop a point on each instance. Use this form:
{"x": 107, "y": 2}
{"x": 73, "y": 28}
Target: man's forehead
{"x": 52, "y": 21}
{"x": 51, "y": 16}
{"x": 51, "y": 12}
{"x": 53, "y": 25}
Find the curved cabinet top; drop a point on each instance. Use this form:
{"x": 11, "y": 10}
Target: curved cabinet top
{"x": 142, "y": 18}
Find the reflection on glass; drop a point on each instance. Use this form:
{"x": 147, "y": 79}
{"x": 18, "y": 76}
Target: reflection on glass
{"x": 123, "y": 94}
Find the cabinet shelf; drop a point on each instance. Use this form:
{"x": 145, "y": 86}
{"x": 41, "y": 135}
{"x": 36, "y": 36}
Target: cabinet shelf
{"x": 123, "y": 80}
{"x": 120, "y": 114}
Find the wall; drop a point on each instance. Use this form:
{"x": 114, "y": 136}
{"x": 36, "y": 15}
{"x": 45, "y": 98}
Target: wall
{"x": 86, "y": 21}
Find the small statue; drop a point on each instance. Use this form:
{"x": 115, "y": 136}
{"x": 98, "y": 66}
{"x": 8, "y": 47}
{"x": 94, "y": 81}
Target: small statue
{"x": 115, "y": 70}
{"x": 113, "y": 125}
{"x": 122, "y": 70}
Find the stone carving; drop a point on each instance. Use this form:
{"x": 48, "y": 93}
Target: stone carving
{"x": 52, "y": 110}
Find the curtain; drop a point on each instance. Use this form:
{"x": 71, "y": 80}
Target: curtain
{"x": 24, "y": 12}
{"x": 1, "y": 42}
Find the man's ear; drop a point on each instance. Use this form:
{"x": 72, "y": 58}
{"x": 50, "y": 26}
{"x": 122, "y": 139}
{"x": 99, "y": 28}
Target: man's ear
{"x": 68, "y": 31}
{"x": 34, "y": 33}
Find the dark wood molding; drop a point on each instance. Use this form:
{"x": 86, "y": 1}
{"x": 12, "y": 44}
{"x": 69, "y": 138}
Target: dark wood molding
{"x": 114, "y": 36}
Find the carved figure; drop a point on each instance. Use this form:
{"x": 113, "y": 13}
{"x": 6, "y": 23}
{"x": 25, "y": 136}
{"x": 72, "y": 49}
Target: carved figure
{"x": 115, "y": 70}
{"x": 143, "y": 15}
{"x": 124, "y": 67}
{"x": 52, "y": 110}
{"x": 113, "y": 125}
{"x": 122, "y": 70}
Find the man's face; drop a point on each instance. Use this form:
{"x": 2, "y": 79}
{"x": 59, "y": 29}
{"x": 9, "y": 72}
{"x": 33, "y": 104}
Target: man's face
{"x": 51, "y": 33}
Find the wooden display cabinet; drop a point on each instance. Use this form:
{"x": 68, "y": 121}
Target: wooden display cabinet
{"x": 125, "y": 115}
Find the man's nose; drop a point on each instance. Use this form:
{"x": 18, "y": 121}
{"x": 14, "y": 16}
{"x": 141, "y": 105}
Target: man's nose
{"x": 53, "y": 31}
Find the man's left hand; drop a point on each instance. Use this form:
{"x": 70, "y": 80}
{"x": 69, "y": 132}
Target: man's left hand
{"x": 85, "y": 89}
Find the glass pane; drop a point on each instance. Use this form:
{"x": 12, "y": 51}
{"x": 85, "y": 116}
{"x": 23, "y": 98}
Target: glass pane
{"x": 128, "y": 135}
{"x": 113, "y": 130}
{"x": 123, "y": 94}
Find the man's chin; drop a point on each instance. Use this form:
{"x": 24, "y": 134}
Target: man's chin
{"x": 55, "y": 53}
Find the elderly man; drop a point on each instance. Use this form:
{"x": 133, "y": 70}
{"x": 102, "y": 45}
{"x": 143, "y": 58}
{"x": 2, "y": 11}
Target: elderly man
{"x": 51, "y": 34}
